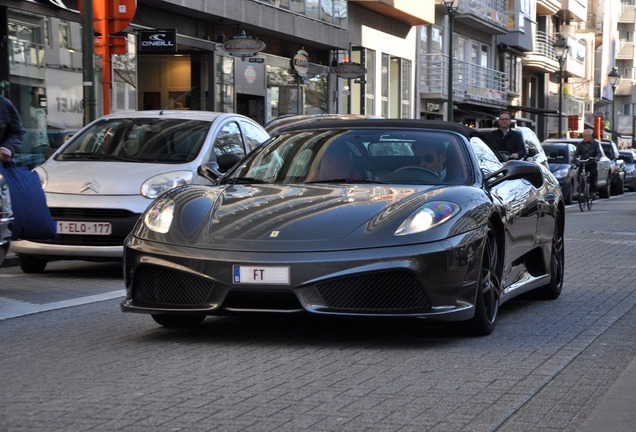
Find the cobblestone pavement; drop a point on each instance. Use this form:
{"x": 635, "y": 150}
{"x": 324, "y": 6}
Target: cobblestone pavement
{"x": 546, "y": 367}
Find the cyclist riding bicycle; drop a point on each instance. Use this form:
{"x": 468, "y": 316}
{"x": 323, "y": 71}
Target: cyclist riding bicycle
{"x": 589, "y": 148}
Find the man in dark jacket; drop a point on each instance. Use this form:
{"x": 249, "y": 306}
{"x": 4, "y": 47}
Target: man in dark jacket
{"x": 508, "y": 140}
{"x": 589, "y": 148}
{"x": 11, "y": 130}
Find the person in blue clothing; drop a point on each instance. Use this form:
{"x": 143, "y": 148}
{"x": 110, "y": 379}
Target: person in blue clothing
{"x": 505, "y": 139}
{"x": 11, "y": 130}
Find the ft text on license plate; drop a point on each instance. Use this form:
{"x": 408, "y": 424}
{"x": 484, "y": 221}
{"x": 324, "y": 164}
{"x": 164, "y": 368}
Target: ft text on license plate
{"x": 260, "y": 274}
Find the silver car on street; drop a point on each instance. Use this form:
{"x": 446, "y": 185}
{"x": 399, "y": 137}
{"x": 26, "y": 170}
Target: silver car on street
{"x": 100, "y": 181}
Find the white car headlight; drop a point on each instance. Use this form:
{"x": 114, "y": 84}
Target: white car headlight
{"x": 427, "y": 216}
{"x": 158, "y": 216}
{"x": 44, "y": 179}
{"x": 163, "y": 182}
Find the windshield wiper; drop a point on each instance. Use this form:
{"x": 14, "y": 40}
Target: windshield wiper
{"x": 95, "y": 156}
{"x": 89, "y": 156}
{"x": 242, "y": 180}
{"x": 346, "y": 180}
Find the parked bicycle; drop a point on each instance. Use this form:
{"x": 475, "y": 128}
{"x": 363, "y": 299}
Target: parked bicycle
{"x": 585, "y": 197}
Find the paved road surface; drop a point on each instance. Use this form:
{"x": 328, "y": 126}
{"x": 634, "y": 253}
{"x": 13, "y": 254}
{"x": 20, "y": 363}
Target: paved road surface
{"x": 546, "y": 367}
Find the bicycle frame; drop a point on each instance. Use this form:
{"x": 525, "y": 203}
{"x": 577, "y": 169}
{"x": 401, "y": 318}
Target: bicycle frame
{"x": 584, "y": 196}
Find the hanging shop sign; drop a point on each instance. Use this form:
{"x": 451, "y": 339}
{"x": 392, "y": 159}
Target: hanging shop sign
{"x": 350, "y": 70}
{"x": 157, "y": 41}
{"x": 243, "y": 46}
{"x": 300, "y": 62}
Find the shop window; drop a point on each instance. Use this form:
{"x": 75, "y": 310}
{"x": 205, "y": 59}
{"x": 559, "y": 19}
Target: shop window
{"x": 369, "y": 86}
{"x": 225, "y": 84}
{"x": 384, "y": 86}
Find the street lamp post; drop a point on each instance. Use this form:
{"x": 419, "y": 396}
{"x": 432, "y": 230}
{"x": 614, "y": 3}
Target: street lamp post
{"x": 451, "y": 8}
{"x": 561, "y": 49}
{"x": 614, "y": 77}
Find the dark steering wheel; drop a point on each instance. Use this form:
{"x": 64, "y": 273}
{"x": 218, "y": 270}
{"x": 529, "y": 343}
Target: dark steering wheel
{"x": 419, "y": 172}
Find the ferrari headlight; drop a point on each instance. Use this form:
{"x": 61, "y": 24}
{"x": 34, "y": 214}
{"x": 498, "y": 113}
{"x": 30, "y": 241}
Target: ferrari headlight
{"x": 158, "y": 216}
{"x": 155, "y": 185}
{"x": 427, "y": 216}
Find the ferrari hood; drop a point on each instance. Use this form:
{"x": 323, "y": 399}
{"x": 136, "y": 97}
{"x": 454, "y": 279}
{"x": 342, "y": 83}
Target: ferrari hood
{"x": 102, "y": 178}
{"x": 289, "y": 217}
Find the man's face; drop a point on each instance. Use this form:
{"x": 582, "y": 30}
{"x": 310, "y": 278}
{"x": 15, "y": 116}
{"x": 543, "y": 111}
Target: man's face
{"x": 504, "y": 120}
{"x": 432, "y": 160}
{"x": 587, "y": 136}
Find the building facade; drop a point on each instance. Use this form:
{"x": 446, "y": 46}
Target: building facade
{"x": 502, "y": 54}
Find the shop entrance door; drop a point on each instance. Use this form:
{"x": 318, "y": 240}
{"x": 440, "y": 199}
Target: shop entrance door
{"x": 251, "y": 106}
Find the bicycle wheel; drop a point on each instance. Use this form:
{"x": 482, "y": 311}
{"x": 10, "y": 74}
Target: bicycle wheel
{"x": 581, "y": 194}
{"x": 588, "y": 196}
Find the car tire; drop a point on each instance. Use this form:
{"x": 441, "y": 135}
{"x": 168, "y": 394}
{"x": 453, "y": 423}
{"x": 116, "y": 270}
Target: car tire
{"x": 178, "y": 321}
{"x": 488, "y": 288}
{"x": 4, "y": 249}
{"x": 621, "y": 186}
{"x": 31, "y": 264}
{"x": 553, "y": 289}
{"x": 604, "y": 192}
{"x": 569, "y": 194}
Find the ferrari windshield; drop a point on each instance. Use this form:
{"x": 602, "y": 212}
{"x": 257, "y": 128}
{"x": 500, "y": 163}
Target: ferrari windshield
{"x": 359, "y": 156}
{"x": 138, "y": 140}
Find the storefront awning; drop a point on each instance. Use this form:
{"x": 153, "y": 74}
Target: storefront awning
{"x": 533, "y": 110}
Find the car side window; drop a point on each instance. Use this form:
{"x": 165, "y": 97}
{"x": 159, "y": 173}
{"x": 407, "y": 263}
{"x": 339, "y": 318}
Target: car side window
{"x": 229, "y": 140}
{"x": 253, "y": 135}
{"x": 487, "y": 159}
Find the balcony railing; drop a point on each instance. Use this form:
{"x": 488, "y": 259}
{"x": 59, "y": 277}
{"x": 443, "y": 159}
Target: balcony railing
{"x": 471, "y": 82}
{"x": 627, "y": 14}
{"x": 625, "y": 50}
{"x": 544, "y": 45}
{"x": 492, "y": 11}
{"x": 27, "y": 59}
{"x": 26, "y": 53}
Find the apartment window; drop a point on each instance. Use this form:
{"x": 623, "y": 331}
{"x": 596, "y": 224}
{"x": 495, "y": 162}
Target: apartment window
{"x": 312, "y": 8}
{"x": 512, "y": 68}
{"x": 329, "y": 11}
{"x": 64, "y": 35}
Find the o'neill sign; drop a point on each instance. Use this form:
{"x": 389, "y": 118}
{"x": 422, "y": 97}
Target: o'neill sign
{"x": 157, "y": 41}
{"x": 243, "y": 46}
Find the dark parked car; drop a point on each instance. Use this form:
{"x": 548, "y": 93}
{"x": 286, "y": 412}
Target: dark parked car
{"x": 603, "y": 167}
{"x": 381, "y": 218}
{"x": 629, "y": 158}
{"x": 560, "y": 160}
{"x": 617, "y": 185}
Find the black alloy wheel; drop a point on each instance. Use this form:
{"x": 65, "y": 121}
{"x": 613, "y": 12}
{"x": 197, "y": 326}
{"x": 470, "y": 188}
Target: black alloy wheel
{"x": 488, "y": 288}
{"x": 553, "y": 289}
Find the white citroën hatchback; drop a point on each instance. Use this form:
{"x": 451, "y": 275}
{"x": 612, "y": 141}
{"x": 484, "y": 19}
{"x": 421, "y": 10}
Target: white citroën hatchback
{"x": 102, "y": 179}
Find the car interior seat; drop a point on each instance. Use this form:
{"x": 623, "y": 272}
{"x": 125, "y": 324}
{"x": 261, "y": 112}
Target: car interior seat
{"x": 336, "y": 163}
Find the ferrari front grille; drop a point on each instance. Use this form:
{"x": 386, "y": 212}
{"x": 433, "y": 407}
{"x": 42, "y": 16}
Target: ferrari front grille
{"x": 160, "y": 286}
{"x": 385, "y": 291}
